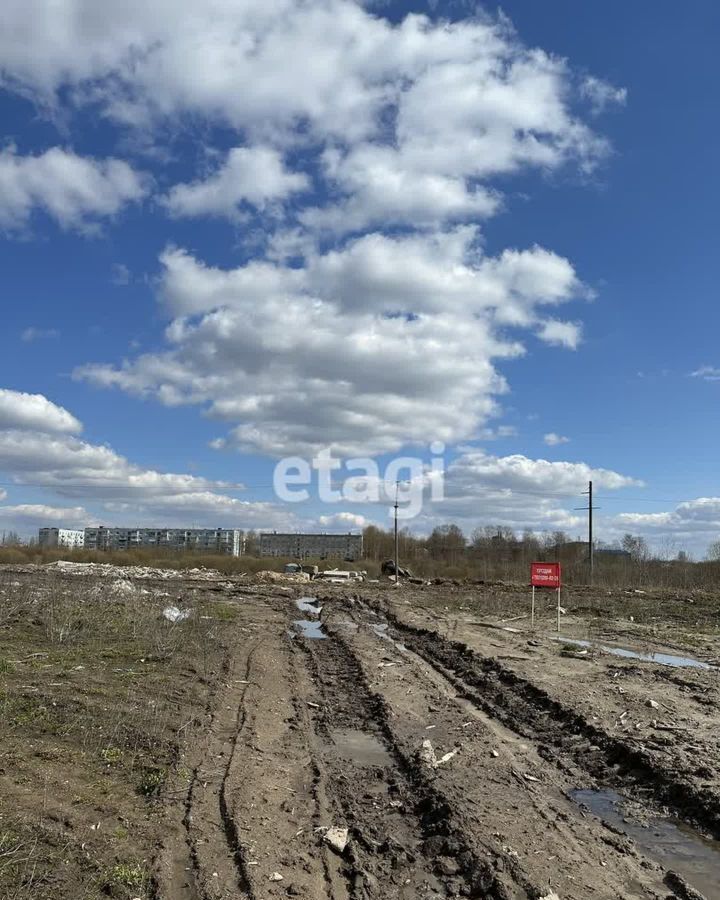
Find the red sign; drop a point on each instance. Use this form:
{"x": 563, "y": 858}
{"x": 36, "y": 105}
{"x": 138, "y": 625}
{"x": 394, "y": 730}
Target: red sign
{"x": 545, "y": 575}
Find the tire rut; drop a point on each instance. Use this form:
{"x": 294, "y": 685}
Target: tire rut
{"x": 403, "y": 841}
{"x": 206, "y": 856}
{"x": 562, "y": 733}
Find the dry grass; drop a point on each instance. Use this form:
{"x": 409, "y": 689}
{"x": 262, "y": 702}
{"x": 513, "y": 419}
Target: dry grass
{"x": 95, "y": 688}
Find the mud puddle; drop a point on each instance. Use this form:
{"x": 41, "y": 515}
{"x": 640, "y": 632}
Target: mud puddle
{"x": 381, "y": 630}
{"x": 360, "y": 747}
{"x": 310, "y": 630}
{"x": 672, "y": 844}
{"x": 308, "y": 605}
{"x": 663, "y": 659}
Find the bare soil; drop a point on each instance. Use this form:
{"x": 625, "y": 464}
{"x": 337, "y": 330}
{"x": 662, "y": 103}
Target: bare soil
{"x": 439, "y": 736}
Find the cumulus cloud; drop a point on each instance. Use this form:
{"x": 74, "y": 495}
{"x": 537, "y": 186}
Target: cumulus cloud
{"x": 327, "y": 334}
{"x": 707, "y": 373}
{"x": 517, "y": 491}
{"x": 554, "y": 440}
{"x": 405, "y": 122}
{"x": 383, "y": 342}
{"x": 39, "y": 448}
{"x": 24, "y": 515}
{"x": 252, "y": 175}
{"x": 34, "y": 411}
{"x": 76, "y": 191}
{"x": 344, "y": 520}
{"x": 247, "y": 64}
{"x": 563, "y": 334}
{"x": 693, "y": 516}
{"x": 601, "y": 94}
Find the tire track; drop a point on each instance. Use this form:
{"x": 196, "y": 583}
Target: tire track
{"x": 563, "y": 734}
{"x": 404, "y": 843}
{"x": 205, "y": 860}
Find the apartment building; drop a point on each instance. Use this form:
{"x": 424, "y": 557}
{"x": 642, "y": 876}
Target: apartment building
{"x": 199, "y": 540}
{"x": 61, "y": 537}
{"x": 312, "y": 546}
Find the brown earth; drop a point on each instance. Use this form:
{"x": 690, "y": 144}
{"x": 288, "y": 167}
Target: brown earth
{"x": 431, "y": 728}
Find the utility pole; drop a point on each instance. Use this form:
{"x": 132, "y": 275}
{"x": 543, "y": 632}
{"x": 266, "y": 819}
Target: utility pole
{"x": 591, "y": 549}
{"x": 397, "y": 565}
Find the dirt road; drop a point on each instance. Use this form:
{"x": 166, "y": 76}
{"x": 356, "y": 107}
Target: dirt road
{"x": 380, "y": 745}
{"x": 451, "y": 773}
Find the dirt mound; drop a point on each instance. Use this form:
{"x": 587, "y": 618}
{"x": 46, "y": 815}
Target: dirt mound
{"x": 106, "y": 570}
{"x": 268, "y": 577}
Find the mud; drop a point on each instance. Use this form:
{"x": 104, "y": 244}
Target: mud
{"x": 663, "y": 659}
{"x": 460, "y": 760}
{"x": 670, "y": 843}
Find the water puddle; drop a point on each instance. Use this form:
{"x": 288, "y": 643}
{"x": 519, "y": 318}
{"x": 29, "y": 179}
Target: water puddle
{"x": 672, "y": 844}
{"x": 360, "y": 747}
{"x": 308, "y": 605}
{"x": 663, "y": 659}
{"x": 381, "y": 630}
{"x": 310, "y": 630}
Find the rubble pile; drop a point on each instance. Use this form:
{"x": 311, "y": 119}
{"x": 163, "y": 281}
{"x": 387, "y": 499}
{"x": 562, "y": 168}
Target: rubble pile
{"x": 106, "y": 570}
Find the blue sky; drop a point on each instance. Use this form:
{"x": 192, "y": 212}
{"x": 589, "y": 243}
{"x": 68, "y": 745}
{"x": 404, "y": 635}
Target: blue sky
{"x": 388, "y": 224}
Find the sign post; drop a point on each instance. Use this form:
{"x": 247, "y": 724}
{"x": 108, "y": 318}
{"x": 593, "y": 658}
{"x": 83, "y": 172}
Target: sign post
{"x": 545, "y": 575}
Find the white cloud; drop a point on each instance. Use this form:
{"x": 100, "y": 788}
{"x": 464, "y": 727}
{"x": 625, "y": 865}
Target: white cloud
{"x": 517, "y": 492}
{"x": 707, "y": 373}
{"x": 701, "y": 515}
{"x": 601, "y": 94}
{"x": 344, "y": 520}
{"x": 384, "y": 342}
{"x": 24, "y": 515}
{"x": 37, "y": 334}
{"x": 406, "y": 121}
{"x": 497, "y": 434}
{"x": 34, "y": 411}
{"x": 554, "y": 440}
{"x": 690, "y": 525}
{"x": 39, "y": 449}
{"x": 563, "y": 334}
{"x": 253, "y": 175}
{"x": 247, "y": 63}
{"x": 72, "y": 189}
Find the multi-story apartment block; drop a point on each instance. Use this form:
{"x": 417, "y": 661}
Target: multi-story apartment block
{"x": 61, "y": 537}
{"x": 201, "y": 540}
{"x": 312, "y": 546}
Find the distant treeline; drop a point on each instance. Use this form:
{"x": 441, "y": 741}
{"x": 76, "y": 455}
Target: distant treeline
{"x": 489, "y": 554}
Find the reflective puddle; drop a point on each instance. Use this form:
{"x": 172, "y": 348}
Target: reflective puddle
{"x": 310, "y": 630}
{"x": 673, "y": 845}
{"x": 663, "y": 659}
{"x": 381, "y": 631}
{"x": 308, "y": 605}
{"x": 360, "y": 747}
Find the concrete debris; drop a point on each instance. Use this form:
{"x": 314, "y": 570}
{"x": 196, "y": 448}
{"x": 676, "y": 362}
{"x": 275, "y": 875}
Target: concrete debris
{"x": 173, "y": 614}
{"x": 653, "y": 704}
{"x": 427, "y": 755}
{"x": 276, "y": 876}
{"x": 123, "y": 586}
{"x": 266, "y": 576}
{"x": 336, "y": 838}
{"x": 106, "y": 570}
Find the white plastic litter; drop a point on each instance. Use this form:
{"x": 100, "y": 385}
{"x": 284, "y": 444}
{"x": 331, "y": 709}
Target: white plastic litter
{"x": 173, "y": 614}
